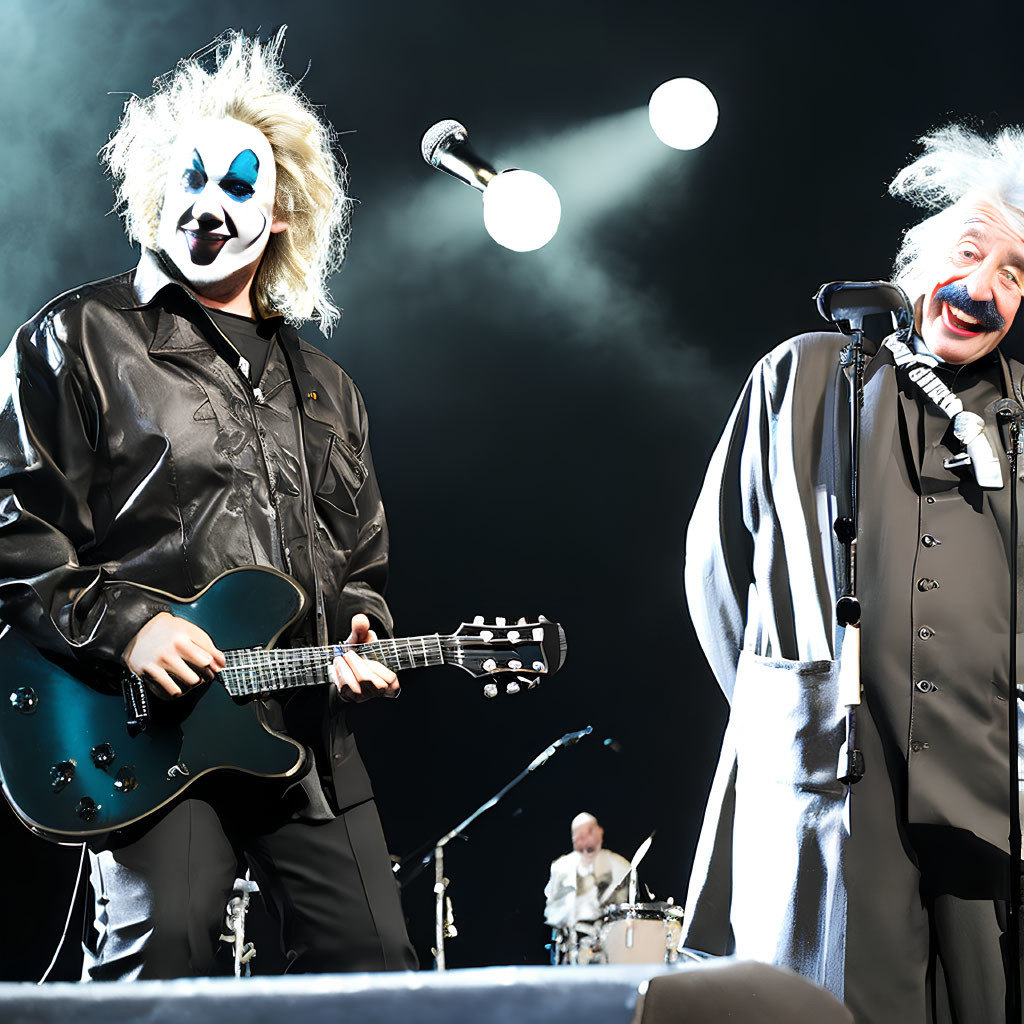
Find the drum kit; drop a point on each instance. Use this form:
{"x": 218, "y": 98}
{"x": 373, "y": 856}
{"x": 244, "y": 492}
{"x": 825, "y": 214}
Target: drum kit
{"x": 626, "y": 933}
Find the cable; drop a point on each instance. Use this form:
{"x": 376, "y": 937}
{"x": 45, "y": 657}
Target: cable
{"x": 67, "y": 921}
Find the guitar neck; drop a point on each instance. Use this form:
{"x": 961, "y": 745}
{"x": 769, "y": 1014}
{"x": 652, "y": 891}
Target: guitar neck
{"x": 253, "y": 671}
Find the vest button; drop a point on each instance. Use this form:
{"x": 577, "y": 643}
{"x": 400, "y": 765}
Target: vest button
{"x": 925, "y": 685}
{"x": 924, "y": 584}
{"x": 929, "y": 541}
{"x": 926, "y": 632}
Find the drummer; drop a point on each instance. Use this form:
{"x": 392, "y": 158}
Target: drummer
{"x": 583, "y": 883}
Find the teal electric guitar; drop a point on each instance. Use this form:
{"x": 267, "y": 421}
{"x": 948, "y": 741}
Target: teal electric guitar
{"x": 77, "y": 761}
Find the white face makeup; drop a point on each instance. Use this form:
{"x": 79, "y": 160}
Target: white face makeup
{"x": 218, "y": 208}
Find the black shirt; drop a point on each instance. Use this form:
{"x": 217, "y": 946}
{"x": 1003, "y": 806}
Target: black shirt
{"x": 252, "y": 338}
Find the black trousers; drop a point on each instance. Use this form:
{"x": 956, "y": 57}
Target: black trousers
{"x": 161, "y": 892}
{"x": 925, "y": 928}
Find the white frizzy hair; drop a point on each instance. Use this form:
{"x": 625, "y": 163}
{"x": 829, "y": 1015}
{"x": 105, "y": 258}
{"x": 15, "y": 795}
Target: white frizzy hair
{"x": 239, "y": 77}
{"x": 958, "y": 167}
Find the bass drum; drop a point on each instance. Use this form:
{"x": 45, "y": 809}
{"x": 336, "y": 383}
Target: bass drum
{"x": 641, "y": 933}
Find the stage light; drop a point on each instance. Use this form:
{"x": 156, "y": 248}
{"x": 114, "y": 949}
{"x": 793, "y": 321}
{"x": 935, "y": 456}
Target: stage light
{"x": 521, "y": 210}
{"x": 683, "y": 113}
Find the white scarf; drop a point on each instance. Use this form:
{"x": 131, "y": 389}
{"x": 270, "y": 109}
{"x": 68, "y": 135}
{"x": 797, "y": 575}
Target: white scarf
{"x": 968, "y": 427}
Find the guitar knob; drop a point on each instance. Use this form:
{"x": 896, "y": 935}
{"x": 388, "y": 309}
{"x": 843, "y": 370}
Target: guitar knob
{"x": 512, "y": 687}
{"x": 490, "y": 690}
{"x": 61, "y": 774}
{"x": 515, "y": 665}
{"x": 24, "y": 699}
{"x": 87, "y": 809}
{"x": 512, "y": 635}
{"x": 126, "y": 780}
{"x": 538, "y": 666}
{"x": 102, "y": 755}
{"x": 490, "y": 665}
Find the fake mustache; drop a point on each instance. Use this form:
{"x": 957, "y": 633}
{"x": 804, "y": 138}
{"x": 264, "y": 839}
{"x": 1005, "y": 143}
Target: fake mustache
{"x": 955, "y": 294}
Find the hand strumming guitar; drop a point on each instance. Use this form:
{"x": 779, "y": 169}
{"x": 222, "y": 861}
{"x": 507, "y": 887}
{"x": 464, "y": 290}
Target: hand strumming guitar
{"x": 172, "y": 654}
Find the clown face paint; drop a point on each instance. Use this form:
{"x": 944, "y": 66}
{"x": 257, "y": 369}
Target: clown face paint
{"x": 980, "y": 282}
{"x": 218, "y": 208}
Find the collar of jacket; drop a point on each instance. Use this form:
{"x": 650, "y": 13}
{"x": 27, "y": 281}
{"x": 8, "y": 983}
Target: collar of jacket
{"x": 155, "y": 277}
{"x": 152, "y": 276}
{"x": 157, "y": 283}
{"x": 154, "y": 273}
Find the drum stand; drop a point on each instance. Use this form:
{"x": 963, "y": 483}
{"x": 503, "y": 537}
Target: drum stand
{"x": 237, "y": 908}
{"x": 565, "y": 947}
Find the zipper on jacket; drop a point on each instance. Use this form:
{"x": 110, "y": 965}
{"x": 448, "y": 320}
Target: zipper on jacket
{"x": 254, "y": 397}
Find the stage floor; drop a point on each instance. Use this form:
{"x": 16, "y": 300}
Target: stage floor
{"x": 487, "y": 995}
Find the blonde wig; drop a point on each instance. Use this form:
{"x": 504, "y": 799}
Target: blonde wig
{"x": 957, "y": 168}
{"x": 239, "y": 77}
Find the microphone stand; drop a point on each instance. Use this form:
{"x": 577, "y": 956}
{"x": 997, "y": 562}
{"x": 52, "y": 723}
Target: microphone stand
{"x": 443, "y": 922}
{"x": 848, "y": 609}
{"x": 1010, "y": 413}
{"x": 848, "y": 304}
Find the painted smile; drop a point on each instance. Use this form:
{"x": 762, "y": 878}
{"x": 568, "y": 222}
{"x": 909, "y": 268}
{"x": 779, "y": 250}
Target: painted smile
{"x": 204, "y": 246}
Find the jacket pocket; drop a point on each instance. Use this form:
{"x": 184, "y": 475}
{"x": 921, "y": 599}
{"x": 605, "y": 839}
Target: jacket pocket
{"x": 341, "y": 476}
{"x": 787, "y": 722}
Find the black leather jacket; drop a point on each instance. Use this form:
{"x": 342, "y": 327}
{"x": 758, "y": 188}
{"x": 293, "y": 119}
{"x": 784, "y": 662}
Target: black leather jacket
{"x": 132, "y": 449}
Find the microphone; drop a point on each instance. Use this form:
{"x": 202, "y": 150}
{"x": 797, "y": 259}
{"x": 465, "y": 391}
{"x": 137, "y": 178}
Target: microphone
{"x": 574, "y": 737}
{"x": 445, "y": 146}
{"x": 848, "y": 303}
{"x": 566, "y": 741}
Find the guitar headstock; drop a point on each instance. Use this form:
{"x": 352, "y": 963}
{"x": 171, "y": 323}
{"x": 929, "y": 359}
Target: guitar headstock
{"x": 522, "y": 652}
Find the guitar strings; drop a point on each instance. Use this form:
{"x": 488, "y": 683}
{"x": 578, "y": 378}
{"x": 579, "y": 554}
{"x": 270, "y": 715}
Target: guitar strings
{"x": 257, "y": 669}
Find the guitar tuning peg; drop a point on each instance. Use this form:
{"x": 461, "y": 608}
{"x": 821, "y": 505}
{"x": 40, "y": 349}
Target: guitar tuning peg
{"x": 478, "y": 620}
{"x": 512, "y": 687}
{"x": 500, "y": 620}
{"x": 522, "y": 620}
{"x": 490, "y": 690}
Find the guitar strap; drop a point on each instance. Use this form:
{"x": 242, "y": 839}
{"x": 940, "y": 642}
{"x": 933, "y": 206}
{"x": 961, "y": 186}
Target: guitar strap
{"x": 299, "y": 376}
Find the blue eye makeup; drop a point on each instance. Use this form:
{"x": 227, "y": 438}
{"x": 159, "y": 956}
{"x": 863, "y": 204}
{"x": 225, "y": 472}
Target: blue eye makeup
{"x": 240, "y": 181}
{"x": 194, "y": 179}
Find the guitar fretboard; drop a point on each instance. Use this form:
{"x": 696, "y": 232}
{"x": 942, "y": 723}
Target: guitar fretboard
{"x": 255, "y": 670}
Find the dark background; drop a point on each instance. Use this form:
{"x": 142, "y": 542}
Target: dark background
{"x": 541, "y": 421}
